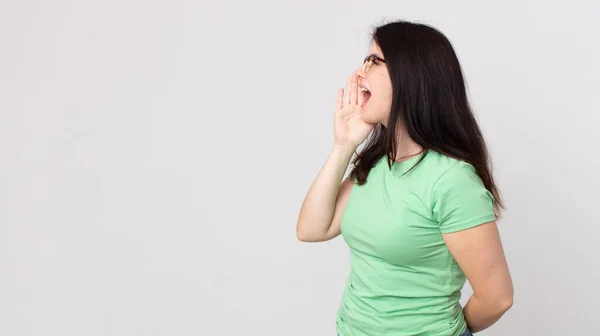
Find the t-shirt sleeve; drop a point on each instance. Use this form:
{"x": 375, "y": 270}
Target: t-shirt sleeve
{"x": 460, "y": 200}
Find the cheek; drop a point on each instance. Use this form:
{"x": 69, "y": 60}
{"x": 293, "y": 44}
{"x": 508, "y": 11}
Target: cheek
{"x": 384, "y": 100}
{"x": 384, "y": 92}
{"x": 380, "y": 104}
{"x": 378, "y": 108}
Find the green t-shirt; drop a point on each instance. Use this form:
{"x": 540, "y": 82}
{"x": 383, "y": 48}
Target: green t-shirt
{"x": 403, "y": 280}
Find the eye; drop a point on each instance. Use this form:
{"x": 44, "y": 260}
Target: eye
{"x": 371, "y": 60}
{"x": 374, "y": 59}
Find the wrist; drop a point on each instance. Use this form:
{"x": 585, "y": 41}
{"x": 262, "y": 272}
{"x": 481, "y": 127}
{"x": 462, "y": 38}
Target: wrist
{"x": 344, "y": 150}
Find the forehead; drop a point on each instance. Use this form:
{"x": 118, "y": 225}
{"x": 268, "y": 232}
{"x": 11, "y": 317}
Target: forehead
{"x": 374, "y": 49}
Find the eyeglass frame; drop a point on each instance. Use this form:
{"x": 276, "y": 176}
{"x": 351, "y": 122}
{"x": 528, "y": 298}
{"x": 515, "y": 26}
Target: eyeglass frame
{"x": 370, "y": 60}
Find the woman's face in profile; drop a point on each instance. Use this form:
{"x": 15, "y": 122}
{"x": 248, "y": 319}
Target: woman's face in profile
{"x": 376, "y": 87}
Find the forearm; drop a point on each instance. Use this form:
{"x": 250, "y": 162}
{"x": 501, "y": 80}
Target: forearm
{"x": 481, "y": 314}
{"x": 318, "y": 207}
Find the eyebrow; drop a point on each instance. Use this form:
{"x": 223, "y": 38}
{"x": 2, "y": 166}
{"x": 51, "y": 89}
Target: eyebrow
{"x": 373, "y": 54}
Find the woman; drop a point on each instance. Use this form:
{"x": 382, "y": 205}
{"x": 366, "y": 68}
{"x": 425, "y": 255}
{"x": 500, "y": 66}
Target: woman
{"x": 420, "y": 205}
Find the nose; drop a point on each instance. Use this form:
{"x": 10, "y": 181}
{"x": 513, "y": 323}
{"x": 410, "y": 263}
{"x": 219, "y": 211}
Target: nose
{"x": 361, "y": 72}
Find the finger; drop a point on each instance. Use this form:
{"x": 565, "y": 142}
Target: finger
{"x": 355, "y": 113}
{"x": 353, "y": 90}
{"x": 361, "y": 97}
{"x": 347, "y": 91}
{"x": 340, "y": 99}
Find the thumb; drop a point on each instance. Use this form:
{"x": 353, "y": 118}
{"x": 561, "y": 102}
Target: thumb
{"x": 340, "y": 97}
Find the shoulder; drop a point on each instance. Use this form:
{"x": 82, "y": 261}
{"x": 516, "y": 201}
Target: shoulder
{"x": 459, "y": 196}
{"x": 443, "y": 167}
{"x": 440, "y": 167}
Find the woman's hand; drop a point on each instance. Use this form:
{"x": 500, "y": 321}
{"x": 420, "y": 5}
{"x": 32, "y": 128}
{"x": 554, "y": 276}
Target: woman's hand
{"x": 350, "y": 129}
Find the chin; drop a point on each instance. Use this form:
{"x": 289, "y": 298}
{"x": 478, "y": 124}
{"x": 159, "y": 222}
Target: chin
{"x": 366, "y": 117}
{"x": 371, "y": 117}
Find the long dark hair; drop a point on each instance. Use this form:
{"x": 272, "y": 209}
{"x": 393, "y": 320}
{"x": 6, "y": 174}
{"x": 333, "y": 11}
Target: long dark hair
{"x": 429, "y": 99}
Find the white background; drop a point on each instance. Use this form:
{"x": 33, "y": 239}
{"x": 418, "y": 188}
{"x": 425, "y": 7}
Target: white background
{"x": 155, "y": 154}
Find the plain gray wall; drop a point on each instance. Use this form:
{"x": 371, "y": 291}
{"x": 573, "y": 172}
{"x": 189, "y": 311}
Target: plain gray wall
{"x": 154, "y": 157}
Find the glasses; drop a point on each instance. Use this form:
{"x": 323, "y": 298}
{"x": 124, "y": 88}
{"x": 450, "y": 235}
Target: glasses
{"x": 370, "y": 60}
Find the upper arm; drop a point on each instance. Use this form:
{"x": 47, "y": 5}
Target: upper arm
{"x": 464, "y": 210}
{"x": 479, "y": 253}
{"x": 341, "y": 201}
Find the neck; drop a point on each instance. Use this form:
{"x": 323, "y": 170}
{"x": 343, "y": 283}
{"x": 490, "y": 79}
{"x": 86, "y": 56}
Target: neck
{"x": 406, "y": 146}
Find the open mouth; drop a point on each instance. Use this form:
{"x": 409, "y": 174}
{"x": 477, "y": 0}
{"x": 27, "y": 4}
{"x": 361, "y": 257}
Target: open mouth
{"x": 366, "y": 94}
